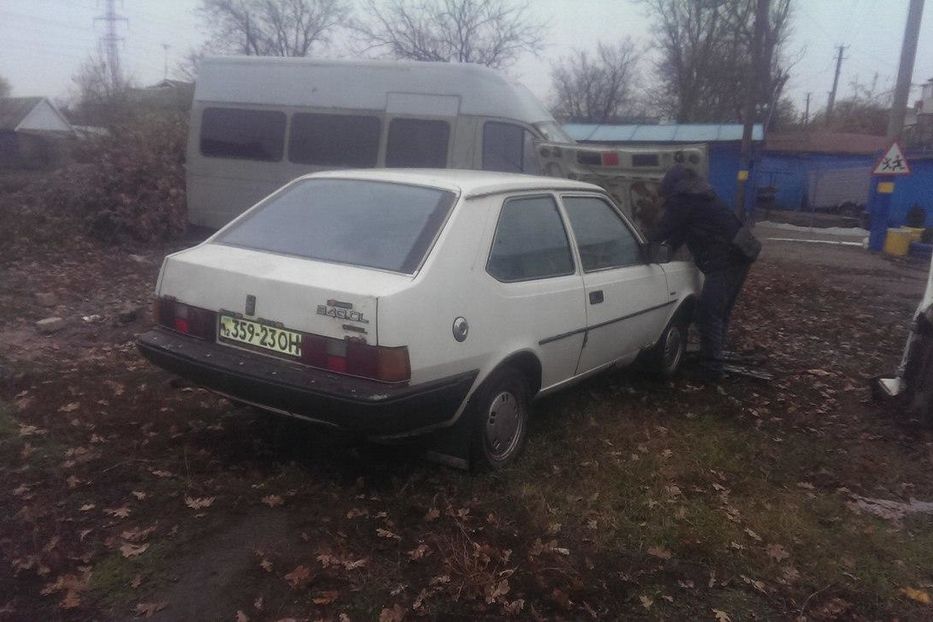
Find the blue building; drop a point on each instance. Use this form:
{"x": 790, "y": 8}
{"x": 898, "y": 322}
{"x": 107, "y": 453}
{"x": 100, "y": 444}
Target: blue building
{"x": 788, "y": 161}
{"x": 724, "y": 143}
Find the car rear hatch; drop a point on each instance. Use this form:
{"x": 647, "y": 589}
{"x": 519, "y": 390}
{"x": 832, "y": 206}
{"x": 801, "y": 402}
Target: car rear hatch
{"x": 294, "y": 293}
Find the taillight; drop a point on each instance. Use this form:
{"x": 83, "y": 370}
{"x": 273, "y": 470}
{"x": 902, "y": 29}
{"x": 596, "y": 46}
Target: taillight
{"x": 185, "y": 319}
{"x": 356, "y": 358}
{"x": 610, "y": 158}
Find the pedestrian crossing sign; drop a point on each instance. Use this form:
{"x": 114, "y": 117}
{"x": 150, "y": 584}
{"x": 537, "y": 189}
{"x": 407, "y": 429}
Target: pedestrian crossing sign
{"x": 892, "y": 162}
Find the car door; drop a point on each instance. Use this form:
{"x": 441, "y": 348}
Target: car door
{"x": 539, "y": 289}
{"x": 627, "y": 299}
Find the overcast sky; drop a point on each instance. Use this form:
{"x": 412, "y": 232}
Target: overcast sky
{"x": 43, "y": 42}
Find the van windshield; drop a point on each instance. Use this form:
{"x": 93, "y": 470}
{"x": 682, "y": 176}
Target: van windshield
{"x": 350, "y": 221}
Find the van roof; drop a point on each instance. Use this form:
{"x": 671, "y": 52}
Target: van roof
{"x": 468, "y": 183}
{"x": 436, "y": 89}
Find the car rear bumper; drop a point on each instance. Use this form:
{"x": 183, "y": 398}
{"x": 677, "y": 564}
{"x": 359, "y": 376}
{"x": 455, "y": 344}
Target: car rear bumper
{"x": 348, "y": 403}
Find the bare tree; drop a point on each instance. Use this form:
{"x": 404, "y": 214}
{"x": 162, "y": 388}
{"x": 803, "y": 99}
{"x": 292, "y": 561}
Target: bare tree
{"x": 97, "y": 100}
{"x": 598, "y": 88}
{"x": 487, "y": 32}
{"x": 4, "y": 87}
{"x": 705, "y": 50}
{"x": 271, "y": 27}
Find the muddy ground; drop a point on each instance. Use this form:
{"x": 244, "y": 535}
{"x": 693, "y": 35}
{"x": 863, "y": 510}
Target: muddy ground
{"x": 127, "y": 493}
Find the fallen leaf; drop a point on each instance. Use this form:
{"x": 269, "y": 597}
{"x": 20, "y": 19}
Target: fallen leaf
{"x": 72, "y": 481}
{"x": 325, "y": 598}
{"x": 147, "y": 610}
{"x": 751, "y": 534}
{"x": 721, "y": 616}
{"x": 916, "y": 595}
{"x": 71, "y": 600}
{"x": 199, "y": 503}
{"x": 241, "y": 617}
{"x": 87, "y": 507}
{"x": 494, "y": 591}
{"x": 273, "y": 500}
{"x": 136, "y": 582}
{"x": 356, "y": 513}
{"x": 432, "y": 515}
{"x": 417, "y": 553}
{"x": 266, "y": 565}
{"x": 299, "y": 576}
{"x": 395, "y": 614}
{"x": 659, "y": 552}
{"x": 130, "y": 551}
{"x": 122, "y": 512}
{"x": 385, "y": 533}
{"x": 646, "y": 601}
{"x": 69, "y": 407}
{"x": 777, "y": 552}
{"x": 140, "y": 495}
{"x": 258, "y": 603}
{"x": 162, "y": 474}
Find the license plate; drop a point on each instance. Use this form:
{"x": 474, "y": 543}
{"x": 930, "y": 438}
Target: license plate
{"x": 260, "y": 335}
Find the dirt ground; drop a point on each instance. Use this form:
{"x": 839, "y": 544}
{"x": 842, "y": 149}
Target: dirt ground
{"x": 128, "y": 493}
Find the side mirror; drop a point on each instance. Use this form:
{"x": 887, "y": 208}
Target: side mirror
{"x": 658, "y": 252}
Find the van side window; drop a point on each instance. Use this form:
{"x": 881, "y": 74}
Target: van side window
{"x": 603, "y": 239}
{"x": 530, "y": 242}
{"x": 417, "y": 143}
{"x": 334, "y": 140}
{"x": 509, "y": 148}
{"x": 245, "y": 134}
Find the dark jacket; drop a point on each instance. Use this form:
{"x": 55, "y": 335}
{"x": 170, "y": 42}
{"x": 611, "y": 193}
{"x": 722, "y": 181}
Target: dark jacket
{"x": 695, "y": 216}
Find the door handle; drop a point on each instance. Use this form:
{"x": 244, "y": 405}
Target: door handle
{"x": 596, "y": 297}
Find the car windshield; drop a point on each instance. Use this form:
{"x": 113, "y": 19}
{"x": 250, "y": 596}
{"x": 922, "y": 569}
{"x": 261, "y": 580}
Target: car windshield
{"x": 553, "y": 132}
{"x": 362, "y": 223}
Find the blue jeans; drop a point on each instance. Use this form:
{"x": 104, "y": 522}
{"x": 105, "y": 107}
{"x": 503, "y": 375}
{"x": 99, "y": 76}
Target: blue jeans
{"x": 720, "y": 291}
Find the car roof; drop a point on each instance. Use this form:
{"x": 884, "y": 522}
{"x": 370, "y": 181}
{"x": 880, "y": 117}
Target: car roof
{"x": 468, "y": 183}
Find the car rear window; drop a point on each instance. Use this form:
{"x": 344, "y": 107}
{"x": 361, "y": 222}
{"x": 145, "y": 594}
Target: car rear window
{"x": 362, "y": 223}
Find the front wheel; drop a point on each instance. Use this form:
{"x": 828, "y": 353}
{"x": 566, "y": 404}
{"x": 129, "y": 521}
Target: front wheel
{"x": 499, "y": 411}
{"x": 665, "y": 358}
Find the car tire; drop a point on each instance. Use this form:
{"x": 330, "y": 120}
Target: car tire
{"x": 499, "y": 413}
{"x": 665, "y": 358}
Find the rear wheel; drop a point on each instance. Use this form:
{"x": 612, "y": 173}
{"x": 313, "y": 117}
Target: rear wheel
{"x": 499, "y": 416}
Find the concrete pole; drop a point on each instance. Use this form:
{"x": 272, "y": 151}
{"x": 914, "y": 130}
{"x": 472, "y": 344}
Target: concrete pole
{"x": 906, "y": 69}
{"x": 756, "y": 77}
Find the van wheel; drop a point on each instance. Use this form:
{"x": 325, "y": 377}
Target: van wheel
{"x": 499, "y": 417}
{"x": 665, "y": 357}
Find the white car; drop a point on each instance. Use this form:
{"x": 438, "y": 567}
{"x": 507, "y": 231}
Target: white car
{"x": 398, "y": 302}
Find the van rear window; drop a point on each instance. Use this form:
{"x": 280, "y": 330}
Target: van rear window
{"x": 334, "y": 140}
{"x": 240, "y": 133}
{"x": 417, "y": 143}
{"x": 358, "y": 222}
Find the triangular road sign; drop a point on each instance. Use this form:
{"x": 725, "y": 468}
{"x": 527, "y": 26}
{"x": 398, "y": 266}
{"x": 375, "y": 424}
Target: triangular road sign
{"x": 892, "y": 162}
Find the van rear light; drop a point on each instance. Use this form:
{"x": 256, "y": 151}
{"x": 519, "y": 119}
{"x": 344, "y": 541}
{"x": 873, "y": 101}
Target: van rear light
{"x": 356, "y": 358}
{"x": 185, "y": 319}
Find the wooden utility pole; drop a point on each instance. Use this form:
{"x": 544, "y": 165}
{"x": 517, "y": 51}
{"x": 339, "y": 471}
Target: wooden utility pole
{"x": 756, "y": 76}
{"x": 906, "y": 69}
{"x": 806, "y": 111}
{"x": 832, "y": 93}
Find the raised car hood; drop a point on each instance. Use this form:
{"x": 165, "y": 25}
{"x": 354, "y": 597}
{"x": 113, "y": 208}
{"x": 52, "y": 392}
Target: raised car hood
{"x": 302, "y": 294}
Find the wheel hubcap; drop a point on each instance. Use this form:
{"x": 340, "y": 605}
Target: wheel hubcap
{"x": 672, "y": 349}
{"x": 503, "y": 424}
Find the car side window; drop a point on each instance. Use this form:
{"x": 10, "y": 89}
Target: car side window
{"x": 603, "y": 238}
{"x": 530, "y": 241}
{"x": 243, "y": 134}
{"x": 508, "y": 148}
{"x": 417, "y": 143}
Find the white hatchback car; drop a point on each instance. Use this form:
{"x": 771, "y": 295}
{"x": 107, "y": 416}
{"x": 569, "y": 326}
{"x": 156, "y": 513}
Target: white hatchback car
{"x": 397, "y": 302}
